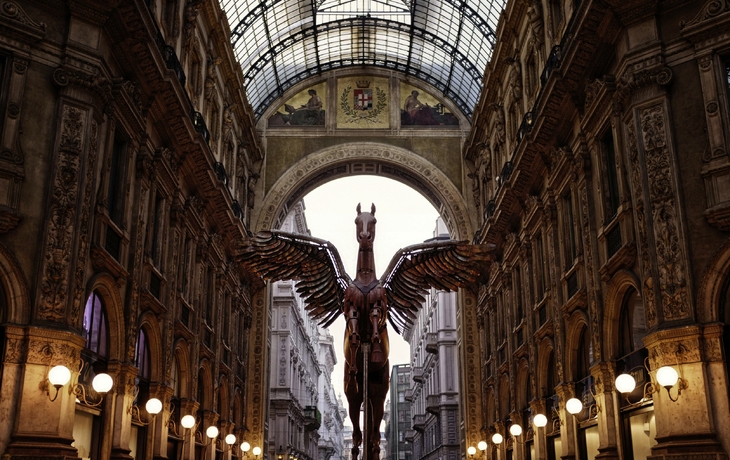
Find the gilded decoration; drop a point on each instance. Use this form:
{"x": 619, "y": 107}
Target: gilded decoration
{"x": 419, "y": 108}
{"x": 362, "y": 102}
{"x": 307, "y": 108}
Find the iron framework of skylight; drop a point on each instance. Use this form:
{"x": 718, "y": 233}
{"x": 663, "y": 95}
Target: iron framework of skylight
{"x": 446, "y": 43}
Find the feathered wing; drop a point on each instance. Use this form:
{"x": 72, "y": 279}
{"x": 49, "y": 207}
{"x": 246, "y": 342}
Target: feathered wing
{"x": 445, "y": 265}
{"x": 313, "y": 263}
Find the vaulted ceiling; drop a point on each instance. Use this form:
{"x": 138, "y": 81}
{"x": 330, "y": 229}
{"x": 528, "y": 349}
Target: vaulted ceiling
{"x": 446, "y": 43}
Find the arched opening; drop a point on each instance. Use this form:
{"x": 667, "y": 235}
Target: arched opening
{"x": 637, "y": 410}
{"x": 88, "y": 419}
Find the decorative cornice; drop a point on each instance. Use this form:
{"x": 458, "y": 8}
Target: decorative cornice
{"x": 16, "y": 23}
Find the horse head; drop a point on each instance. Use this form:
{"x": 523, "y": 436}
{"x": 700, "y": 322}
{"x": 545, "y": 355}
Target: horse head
{"x": 365, "y": 226}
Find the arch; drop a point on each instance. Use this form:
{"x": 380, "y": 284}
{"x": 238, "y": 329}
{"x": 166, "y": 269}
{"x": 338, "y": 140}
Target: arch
{"x": 205, "y": 386}
{"x": 182, "y": 354}
{"x": 420, "y": 174}
{"x": 522, "y": 398}
{"x": 621, "y": 282}
{"x": 15, "y": 286}
{"x": 107, "y": 288}
{"x": 505, "y": 399}
{"x": 546, "y": 349}
{"x": 575, "y": 327}
{"x": 148, "y": 322}
{"x": 711, "y": 287}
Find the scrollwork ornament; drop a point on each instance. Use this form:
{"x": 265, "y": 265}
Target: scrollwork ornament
{"x": 13, "y": 110}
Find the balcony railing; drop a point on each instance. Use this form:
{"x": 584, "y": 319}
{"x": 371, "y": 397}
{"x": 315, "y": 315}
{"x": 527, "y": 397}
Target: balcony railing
{"x": 419, "y": 422}
{"x": 432, "y": 404}
{"x": 432, "y": 342}
{"x": 220, "y": 172}
{"x": 199, "y": 124}
{"x": 312, "y": 418}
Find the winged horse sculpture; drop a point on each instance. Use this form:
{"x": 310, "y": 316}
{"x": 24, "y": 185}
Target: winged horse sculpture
{"x": 366, "y": 302}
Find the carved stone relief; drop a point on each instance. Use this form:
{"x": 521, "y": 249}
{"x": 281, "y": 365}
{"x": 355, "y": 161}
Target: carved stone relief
{"x": 59, "y": 238}
{"x": 669, "y": 253}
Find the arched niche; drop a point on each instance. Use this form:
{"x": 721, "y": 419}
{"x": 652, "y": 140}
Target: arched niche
{"x": 381, "y": 159}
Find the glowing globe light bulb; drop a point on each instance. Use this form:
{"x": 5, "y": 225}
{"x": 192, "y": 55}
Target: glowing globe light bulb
{"x": 154, "y": 406}
{"x": 187, "y": 421}
{"x": 625, "y": 383}
{"x": 574, "y": 406}
{"x": 211, "y": 432}
{"x": 497, "y": 438}
{"x": 515, "y": 429}
{"x": 471, "y": 450}
{"x": 257, "y": 451}
{"x": 482, "y": 445}
{"x": 59, "y": 376}
{"x": 539, "y": 420}
{"x": 245, "y": 446}
{"x": 102, "y": 383}
{"x": 230, "y": 439}
{"x": 667, "y": 376}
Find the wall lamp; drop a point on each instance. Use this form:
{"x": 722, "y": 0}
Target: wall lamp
{"x": 539, "y": 420}
{"x": 516, "y": 431}
{"x": 153, "y": 407}
{"x": 666, "y": 376}
{"x": 60, "y": 375}
{"x": 471, "y": 451}
{"x": 482, "y": 445}
{"x": 256, "y": 451}
{"x": 497, "y": 438}
{"x": 245, "y": 447}
{"x": 575, "y": 406}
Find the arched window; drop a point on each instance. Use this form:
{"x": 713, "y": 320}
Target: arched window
{"x": 95, "y": 325}
{"x": 142, "y": 355}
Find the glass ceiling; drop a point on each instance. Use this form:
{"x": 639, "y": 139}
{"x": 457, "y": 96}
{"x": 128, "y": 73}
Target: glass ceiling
{"x": 446, "y": 43}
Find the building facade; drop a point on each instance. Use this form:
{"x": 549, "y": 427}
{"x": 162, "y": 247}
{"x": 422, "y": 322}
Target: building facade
{"x": 399, "y": 421}
{"x": 434, "y": 391}
{"x": 305, "y": 418}
{"x": 600, "y": 154}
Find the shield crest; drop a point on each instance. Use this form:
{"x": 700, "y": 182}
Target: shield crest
{"x": 363, "y": 99}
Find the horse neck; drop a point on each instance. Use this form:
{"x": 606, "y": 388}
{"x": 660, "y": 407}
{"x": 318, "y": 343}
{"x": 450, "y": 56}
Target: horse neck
{"x": 365, "y": 265}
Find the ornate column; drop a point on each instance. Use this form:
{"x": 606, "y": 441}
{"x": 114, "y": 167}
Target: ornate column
{"x": 685, "y": 427}
{"x": 565, "y": 391}
{"x": 159, "y": 425}
{"x": 116, "y": 440}
{"x": 31, "y": 352}
{"x": 604, "y": 375}
{"x": 538, "y": 406}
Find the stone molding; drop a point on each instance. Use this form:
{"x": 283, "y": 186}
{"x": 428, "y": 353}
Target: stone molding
{"x": 453, "y": 207}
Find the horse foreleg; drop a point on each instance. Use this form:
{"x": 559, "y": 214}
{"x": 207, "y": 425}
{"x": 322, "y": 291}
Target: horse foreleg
{"x": 376, "y": 315}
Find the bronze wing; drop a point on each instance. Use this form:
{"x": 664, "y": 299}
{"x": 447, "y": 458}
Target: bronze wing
{"x": 313, "y": 263}
{"x": 443, "y": 264}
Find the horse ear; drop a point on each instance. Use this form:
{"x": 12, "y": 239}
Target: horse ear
{"x": 372, "y": 208}
{"x": 358, "y": 209}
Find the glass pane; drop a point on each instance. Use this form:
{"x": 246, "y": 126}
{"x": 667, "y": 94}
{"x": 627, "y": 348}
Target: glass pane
{"x": 83, "y": 431}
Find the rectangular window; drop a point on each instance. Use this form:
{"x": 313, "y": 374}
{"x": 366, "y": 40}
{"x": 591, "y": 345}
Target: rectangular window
{"x": 210, "y": 285}
{"x": 519, "y": 309}
{"x": 539, "y": 265}
{"x": 157, "y": 219}
{"x": 569, "y": 231}
{"x": 611, "y": 188}
{"x": 117, "y": 175}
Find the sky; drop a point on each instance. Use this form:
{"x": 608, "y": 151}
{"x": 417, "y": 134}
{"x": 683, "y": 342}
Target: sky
{"x": 404, "y": 218}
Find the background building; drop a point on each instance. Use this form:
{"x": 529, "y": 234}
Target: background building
{"x": 434, "y": 392}
{"x": 400, "y": 413}
{"x": 306, "y": 419}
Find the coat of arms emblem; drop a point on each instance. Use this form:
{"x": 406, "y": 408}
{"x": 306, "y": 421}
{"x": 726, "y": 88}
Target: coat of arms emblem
{"x": 367, "y": 103}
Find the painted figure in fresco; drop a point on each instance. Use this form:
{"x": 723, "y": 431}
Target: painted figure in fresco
{"x": 367, "y": 303}
{"x": 310, "y": 114}
{"x": 417, "y": 113}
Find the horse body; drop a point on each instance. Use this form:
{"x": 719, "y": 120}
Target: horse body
{"x": 366, "y": 311}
